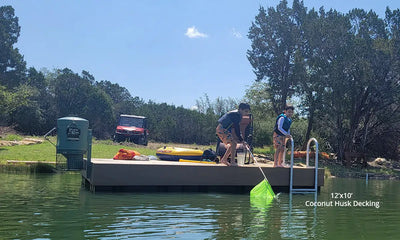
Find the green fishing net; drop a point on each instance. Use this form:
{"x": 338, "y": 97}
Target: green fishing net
{"x": 262, "y": 190}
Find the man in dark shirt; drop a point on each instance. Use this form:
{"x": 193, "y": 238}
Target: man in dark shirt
{"x": 228, "y": 137}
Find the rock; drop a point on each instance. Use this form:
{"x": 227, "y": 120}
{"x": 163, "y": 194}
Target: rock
{"x": 30, "y": 141}
{"x": 8, "y": 143}
{"x": 381, "y": 163}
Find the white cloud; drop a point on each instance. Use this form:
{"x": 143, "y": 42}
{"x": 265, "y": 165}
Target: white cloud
{"x": 192, "y": 32}
{"x": 236, "y": 33}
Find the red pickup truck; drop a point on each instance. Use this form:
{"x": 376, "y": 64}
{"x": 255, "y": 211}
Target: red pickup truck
{"x": 132, "y": 128}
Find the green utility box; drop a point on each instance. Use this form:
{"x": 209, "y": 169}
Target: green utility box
{"x": 73, "y": 140}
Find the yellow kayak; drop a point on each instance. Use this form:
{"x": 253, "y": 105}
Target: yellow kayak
{"x": 176, "y": 153}
{"x": 194, "y": 161}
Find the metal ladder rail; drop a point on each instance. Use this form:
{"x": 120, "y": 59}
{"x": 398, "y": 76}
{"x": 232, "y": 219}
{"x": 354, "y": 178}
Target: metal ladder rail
{"x": 306, "y": 190}
{"x": 284, "y": 153}
{"x": 291, "y": 162}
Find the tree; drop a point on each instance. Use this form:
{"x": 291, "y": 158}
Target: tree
{"x": 22, "y": 111}
{"x": 309, "y": 66}
{"x": 76, "y": 95}
{"x": 274, "y": 39}
{"x": 284, "y": 46}
{"x": 12, "y": 64}
{"x": 98, "y": 111}
{"x": 346, "y": 73}
{"x": 71, "y": 93}
{"x": 123, "y": 102}
{"x": 217, "y": 107}
{"x": 5, "y": 102}
{"x": 38, "y": 116}
{"x": 359, "y": 83}
{"x": 263, "y": 114}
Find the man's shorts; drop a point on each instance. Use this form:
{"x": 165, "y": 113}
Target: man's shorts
{"x": 279, "y": 141}
{"x": 224, "y": 134}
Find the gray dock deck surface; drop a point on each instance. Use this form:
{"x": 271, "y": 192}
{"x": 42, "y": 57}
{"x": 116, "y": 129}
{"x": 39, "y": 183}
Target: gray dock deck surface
{"x": 155, "y": 175}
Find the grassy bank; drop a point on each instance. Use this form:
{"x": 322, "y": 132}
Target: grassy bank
{"x": 45, "y": 153}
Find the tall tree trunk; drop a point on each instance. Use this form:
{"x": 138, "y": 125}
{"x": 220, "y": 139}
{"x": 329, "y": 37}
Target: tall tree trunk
{"x": 340, "y": 139}
{"x": 309, "y": 127}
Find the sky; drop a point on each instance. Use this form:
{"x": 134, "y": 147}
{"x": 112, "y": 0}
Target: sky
{"x": 172, "y": 52}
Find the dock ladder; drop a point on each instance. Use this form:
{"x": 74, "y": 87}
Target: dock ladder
{"x": 305, "y": 190}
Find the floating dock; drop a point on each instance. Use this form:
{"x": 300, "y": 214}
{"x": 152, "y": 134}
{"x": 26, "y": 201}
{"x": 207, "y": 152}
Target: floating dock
{"x": 170, "y": 176}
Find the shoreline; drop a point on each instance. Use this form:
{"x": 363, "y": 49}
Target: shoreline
{"x": 333, "y": 171}
{"x": 31, "y": 148}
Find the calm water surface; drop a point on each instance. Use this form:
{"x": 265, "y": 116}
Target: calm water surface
{"x": 55, "y": 207}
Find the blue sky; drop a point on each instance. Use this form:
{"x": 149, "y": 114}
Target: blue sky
{"x": 167, "y": 51}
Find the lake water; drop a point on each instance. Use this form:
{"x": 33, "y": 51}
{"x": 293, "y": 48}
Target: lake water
{"x": 53, "y": 206}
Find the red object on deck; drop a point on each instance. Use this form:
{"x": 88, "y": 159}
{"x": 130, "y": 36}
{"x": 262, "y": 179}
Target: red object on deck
{"x": 124, "y": 154}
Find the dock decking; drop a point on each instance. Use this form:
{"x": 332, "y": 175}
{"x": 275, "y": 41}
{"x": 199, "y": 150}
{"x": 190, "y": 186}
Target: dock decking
{"x": 155, "y": 175}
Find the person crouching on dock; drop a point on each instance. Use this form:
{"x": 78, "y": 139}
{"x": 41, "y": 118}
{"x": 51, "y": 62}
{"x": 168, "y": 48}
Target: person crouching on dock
{"x": 224, "y": 131}
{"x": 282, "y": 131}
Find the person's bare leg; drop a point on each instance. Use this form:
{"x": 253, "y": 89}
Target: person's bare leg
{"x": 224, "y": 159}
{"x": 280, "y": 157}
{"x": 276, "y": 155}
{"x": 233, "y": 154}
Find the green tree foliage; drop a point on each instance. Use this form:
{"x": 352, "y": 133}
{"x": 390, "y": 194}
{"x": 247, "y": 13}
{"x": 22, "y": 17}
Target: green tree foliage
{"x": 12, "y": 64}
{"x": 168, "y": 123}
{"x": 38, "y": 115}
{"x": 123, "y": 102}
{"x": 27, "y": 116}
{"x": 99, "y": 112}
{"x": 71, "y": 93}
{"x": 361, "y": 92}
{"x": 11, "y": 101}
{"x": 344, "y": 68}
{"x": 217, "y": 107}
{"x": 263, "y": 115}
{"x": 4, "y": 103}
{"x": 78, "y": 95}
{"x": 274, "y": 35}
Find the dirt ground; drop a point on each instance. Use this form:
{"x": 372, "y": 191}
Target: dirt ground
{"x": 7, "y": 131}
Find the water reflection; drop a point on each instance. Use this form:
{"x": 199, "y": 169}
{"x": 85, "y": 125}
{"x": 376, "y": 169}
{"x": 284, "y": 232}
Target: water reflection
{"x": 302, "y": 219}
{"x": 151, "y": 216}
{"x": 182, "y": 216}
